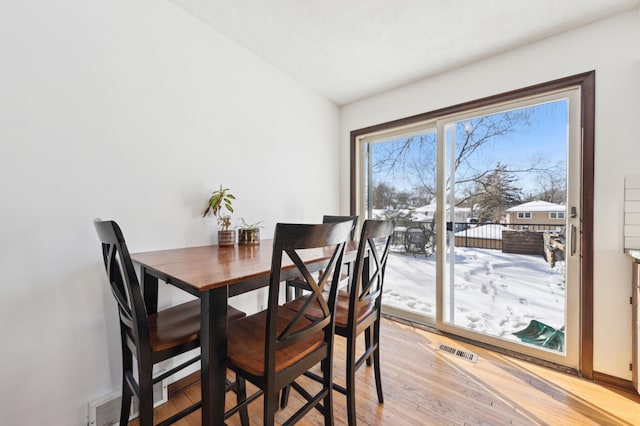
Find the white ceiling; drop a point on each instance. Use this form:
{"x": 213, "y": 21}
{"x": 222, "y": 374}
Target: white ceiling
{"x": 350, "y": 49}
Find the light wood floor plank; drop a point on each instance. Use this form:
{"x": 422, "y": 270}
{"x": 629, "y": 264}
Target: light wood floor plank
{"x": 424, "y": 386}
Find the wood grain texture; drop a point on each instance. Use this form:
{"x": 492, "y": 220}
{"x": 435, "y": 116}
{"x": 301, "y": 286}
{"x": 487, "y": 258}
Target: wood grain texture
{"x": 206, "y": 267}
{"x": 424, "y": 386}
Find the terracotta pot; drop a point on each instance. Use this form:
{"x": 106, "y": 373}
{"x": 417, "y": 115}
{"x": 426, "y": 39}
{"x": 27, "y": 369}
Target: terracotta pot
{"x": 249, "y": 237}
{"x": 226, "y": 238}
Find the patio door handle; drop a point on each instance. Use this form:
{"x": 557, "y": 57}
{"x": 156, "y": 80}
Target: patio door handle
{"x": 573, "y": 239}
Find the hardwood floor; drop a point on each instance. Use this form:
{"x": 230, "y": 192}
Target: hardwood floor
{"x": 424, "y": 386}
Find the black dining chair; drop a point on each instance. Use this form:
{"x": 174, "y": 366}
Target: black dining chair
{"x": 358, "y": 310}
{"x": 151, "y": 338}
{"x": 296, "y": 285}
{"x": 273, "y": 348}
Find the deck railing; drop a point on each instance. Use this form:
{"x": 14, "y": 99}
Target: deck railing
{"x": 478, "y": 235}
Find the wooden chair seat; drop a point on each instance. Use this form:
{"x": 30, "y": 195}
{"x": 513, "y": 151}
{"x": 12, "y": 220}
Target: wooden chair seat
{"x": 180, "y": 324}
{"x": 342, "y": 309}
{"x": 246, "y": 349}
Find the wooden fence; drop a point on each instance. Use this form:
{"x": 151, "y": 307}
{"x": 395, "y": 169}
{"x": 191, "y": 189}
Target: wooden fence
{"x": 523, "y": 242}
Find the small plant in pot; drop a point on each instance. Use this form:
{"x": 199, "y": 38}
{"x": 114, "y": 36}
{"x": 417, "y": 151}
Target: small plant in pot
{"x": 220, "y": 205}
{"x": 249, "y": 233}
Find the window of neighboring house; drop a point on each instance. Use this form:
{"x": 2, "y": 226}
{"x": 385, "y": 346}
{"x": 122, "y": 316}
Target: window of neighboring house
{"x": 556, "y": 215}
{"x": 524, "y": 215}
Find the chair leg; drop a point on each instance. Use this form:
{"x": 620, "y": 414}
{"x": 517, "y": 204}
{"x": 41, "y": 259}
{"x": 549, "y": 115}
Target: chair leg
{"x": 288, "y": 292}
{"x": 270, "y": 401}
{"x": 376, "y": 360}
{"x": 145, "y": 414}
{"x": 327, "y": 375}
{"x": 127, "y": 392}
{"x": 241, "y": 395}
{"x": 367, "y": 342}
{"x": 125, "y": 409}
{"x": 351, "y": 381}
{"x": 284, "y": 399}
{"x": 145, "y": 383}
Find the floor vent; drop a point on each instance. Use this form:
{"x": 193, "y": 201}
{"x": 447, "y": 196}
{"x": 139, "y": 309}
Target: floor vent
{"x": 469, "y": 356}
{"x": 105, "y": 411}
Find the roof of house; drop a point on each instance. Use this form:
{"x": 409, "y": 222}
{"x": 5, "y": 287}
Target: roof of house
{"x": 430, "y": 208}
{"x": 537, "y": 206}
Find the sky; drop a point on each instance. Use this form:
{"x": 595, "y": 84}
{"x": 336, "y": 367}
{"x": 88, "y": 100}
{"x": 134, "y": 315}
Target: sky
{"x": 545, "y": 138}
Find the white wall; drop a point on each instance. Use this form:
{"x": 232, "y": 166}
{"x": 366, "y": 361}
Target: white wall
{"x": 135, "y": 111}
{"x": 611, "y": 48}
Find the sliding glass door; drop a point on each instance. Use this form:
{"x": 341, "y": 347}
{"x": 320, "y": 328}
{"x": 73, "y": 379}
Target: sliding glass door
{"x": 400, "y": 170}
{"x": 486, "y": 210}
{"x": 510, "y": 277}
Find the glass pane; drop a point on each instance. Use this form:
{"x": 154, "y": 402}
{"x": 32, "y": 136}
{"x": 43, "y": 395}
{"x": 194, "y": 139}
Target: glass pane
{"x": 400, "y": 184}
{"x": 505, "y": 266}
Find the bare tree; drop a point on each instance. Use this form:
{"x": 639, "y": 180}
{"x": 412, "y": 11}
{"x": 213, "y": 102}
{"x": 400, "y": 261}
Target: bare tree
{"x": 414, "y": 158}
{"x": 553, "y": 184}
{"x": 383, "y": 196}
{"x": 411, "y": 160}
{"x": 477, "y": 136}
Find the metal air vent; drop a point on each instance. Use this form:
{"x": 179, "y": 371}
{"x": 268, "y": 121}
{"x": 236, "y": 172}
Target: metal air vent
{"x": 469, "y": 356}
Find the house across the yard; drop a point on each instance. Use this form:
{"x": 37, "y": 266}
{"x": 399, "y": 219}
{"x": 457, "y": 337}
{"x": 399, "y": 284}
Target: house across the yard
{"x": 535, "y": 213}
{"x": 461, "y": 214}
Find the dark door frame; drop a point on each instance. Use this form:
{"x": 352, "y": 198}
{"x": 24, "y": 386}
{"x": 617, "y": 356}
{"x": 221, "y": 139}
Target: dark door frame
{"x": 586, "y": 82}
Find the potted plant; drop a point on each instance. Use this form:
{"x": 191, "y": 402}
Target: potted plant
{"x": 249, "y": 233}
{"x": 219, "y": 205}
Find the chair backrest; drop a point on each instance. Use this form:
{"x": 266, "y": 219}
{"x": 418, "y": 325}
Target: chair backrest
{"x": 292, "y": 240}
{"x": 371, "y": 261}
{"x": 416, "y": 235}
{"x": 335, "y": 219}
{"x": 124, "y": 284}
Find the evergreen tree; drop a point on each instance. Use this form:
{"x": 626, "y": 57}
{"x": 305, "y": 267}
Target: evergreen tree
{"x": 496, "y": 193}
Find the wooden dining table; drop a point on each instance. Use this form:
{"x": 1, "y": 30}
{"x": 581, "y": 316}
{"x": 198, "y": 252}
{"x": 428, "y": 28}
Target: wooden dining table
{"x": 213, "y": 274}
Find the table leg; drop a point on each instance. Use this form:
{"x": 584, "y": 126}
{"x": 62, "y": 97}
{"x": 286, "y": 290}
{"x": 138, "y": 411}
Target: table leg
{"x": 213, "y": 338}
{"x": 150, "y": 290}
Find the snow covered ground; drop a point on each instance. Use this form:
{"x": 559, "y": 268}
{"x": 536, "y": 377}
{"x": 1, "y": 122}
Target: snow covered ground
{"x": 495, "y": 293}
